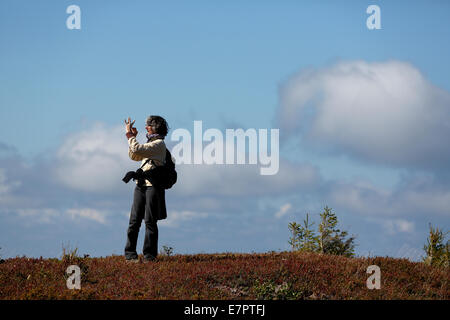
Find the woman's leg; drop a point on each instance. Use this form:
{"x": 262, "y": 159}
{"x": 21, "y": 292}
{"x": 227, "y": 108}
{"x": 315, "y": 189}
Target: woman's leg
{"x": 151, "y": 228}
{"x": 136, "y": 216}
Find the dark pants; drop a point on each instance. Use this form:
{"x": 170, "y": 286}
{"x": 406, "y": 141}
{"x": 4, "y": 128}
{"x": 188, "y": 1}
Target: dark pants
{"x": 143, "y": 208}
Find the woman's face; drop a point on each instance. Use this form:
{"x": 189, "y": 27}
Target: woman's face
{"x": 149, "y": 129}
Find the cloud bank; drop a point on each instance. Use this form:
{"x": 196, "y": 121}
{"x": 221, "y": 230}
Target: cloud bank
{"x": 382, "y": 112}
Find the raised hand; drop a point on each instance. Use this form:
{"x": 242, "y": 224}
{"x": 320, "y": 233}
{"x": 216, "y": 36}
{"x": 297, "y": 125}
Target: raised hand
{"x": 129, "y": 125}
{"x": 130, "y": 131}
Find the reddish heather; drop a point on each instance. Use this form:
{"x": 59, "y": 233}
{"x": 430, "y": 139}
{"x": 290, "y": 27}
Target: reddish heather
{"x": 276, "y": 275}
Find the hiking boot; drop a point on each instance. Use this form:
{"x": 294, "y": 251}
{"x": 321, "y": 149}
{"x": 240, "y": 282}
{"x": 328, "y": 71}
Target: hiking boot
{"x": 133, "y": 260}
{"x": 149, "y": 259}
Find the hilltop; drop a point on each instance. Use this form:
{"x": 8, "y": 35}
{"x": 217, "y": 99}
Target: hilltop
{"x": 274, "y": 275}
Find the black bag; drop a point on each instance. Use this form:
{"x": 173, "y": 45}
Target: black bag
{"x": 164, "y": 176}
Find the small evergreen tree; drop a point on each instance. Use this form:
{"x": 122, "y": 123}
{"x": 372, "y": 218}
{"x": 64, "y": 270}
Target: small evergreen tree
{"x": 437, "y": 253}
{"x": 303, "y": 237}
{"x": 330, "y": 240}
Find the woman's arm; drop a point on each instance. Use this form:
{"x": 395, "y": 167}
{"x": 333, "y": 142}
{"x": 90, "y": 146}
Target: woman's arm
{"x": 130, "y": 133}
{"x": 134, "y": 156}
{"x": 146, "y": 150}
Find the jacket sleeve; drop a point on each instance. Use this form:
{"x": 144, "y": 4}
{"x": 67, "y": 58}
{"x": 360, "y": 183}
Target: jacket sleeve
{"x": 137, "y": 151}
{"x": 133, "y": 156}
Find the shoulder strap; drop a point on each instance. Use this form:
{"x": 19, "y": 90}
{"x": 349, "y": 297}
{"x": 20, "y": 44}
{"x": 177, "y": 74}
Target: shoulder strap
{"x": 168, "y": 156}
{"x": 146, "y": 161}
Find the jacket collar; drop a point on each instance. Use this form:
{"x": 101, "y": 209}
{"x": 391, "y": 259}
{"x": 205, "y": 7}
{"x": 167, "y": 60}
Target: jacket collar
{"x": 153, "y": 136}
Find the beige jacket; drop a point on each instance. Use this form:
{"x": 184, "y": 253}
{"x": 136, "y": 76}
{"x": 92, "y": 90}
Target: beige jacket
{"x": 155, "y": 150}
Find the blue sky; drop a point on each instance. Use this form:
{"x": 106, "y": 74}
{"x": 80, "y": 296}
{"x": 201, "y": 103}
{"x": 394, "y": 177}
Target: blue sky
{"x": 232, "y": 64}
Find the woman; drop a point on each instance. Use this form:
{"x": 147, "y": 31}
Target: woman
{"x": 149, "y": 203}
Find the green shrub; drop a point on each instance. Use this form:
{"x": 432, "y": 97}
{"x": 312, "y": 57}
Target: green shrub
{"x": 437, "y": 253}
{"x": 69, "y": 254}
{"x": 269, "y": 290}
{"x": 303, "y": 237}
{"x": 330, "y": 240}
{"x": 168, "y": 251}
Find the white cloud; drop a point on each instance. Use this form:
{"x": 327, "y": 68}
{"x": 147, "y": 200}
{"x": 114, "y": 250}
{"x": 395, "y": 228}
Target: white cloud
{"x": 244, "y": 180}
{"x": 94, "y": 160}
{"x": 361, "y": 197}
{"x": 385, "y": 112}
{"x": 45, "y": 215}
{"x": 6, "y": 187}
{"x": 88, "y": 213}
{"x": 398, "y": 225}
{"x": 51, "y": 215}
{"x": 283, "y": 210}
{"x": 415, "y": 195}
{"x": 433, "y": 201}
{"x": 174, "y": 218}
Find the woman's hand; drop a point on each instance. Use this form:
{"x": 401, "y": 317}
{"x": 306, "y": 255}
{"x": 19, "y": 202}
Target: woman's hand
{"x": 130, "y": 131}
{"x": 133, "y": 133}
{"x": 129, "y": 125}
